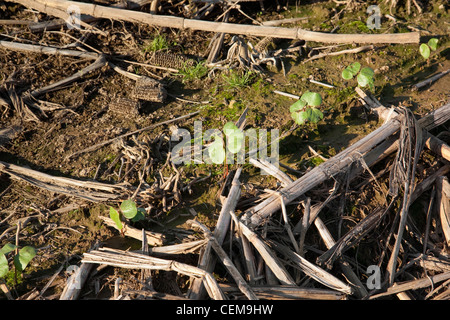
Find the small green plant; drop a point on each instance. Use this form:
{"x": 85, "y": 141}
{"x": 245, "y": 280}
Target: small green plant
{"x": 127, "y": 210}
{"x": 216, "y": 151}
{"x": 160, "y": 42}
{"x": 197, "y": 71}
{"x": 21, "y": 259}
{"x": 426, "y": 48}
{"x": 238, "y": 79}
{"x": 364, "y": 75}
{"x": 235, "y": 137}
{"x": 305, "y": 108}
{"x": 234, "y": 143}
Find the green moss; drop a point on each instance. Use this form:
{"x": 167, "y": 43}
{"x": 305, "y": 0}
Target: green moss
{"x": 354, "y": 27}
{"x": 316, "y": 161}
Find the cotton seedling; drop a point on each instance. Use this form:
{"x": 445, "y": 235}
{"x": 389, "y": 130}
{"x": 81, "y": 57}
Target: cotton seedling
{"x": 127, "y": 210}
{"x": 21, "y": 259}
{"x": 305, "y": 109}
{"x": 364, "y": 76}
{"x": 426, "y": 48}
{"x": 234, "y": 141}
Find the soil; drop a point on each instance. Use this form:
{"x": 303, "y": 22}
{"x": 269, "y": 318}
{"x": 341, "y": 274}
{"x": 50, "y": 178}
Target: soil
{"x": 62, "y": 227}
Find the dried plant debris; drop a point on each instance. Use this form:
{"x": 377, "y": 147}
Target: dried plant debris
{"x": 149, "y": 89}
{"x": 125, "y": 107}
{"x": 265, "y": 45}
{"x": 170, "y": 60}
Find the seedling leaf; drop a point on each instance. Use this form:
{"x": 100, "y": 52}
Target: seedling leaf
{"x": 368, "y": 72}
{"x": 114, "y": 215}
{"x": 347, "y": 74}
{"x": 128, "y": 208}
{"x": 140, "y": 215}
{"x": 432, "y": 43}
{"x": 299, "y": 117}
{"x": 216, "y": 151}
{"x": 234, "y": 137}
{"x": 4, "y": 268}
{"x": 315, "y": 115}
{"x": 234, "y": 141}
{"x": 24, "y": 257}
{"x": 7, "y": 248}
{"x": 297, "y": 106}
{"x": 365, "y": 77}
{"x": 424, "y": 50}
{"x": 229, "y": 127}
{"x": 354, "y": 68}
{"x": 313, "y": 99}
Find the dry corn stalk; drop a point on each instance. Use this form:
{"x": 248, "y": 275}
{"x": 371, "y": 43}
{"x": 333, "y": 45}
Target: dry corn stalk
{"x": 129, "y": 260}
{"x": 149, "y": 89}
{"x": 443, "y": 196}
{"x": 262, "y": 47}
{"x": 170, "y": 60}
{"x": 59, "y": 8}
{"x": 125, "y": 107}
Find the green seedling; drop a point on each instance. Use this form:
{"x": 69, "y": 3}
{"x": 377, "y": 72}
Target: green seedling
{"x": 364, "y": 76}
{"x": 127, "y": 210}
{"x": 426, "y": 48}
{"x": 305, "y": 109}
{"x": 235, "y": 137}
{"x": 236, "y": 79}
{"x": 21, "y": 259}
{"x": 234, "y": 141}
{"x": 160, "y": 42}
{"x": 197, "y": 71}
{"x": 216, "y": 151}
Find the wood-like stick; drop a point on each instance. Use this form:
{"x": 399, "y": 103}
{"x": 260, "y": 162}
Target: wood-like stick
{"x": 59, "y": 7}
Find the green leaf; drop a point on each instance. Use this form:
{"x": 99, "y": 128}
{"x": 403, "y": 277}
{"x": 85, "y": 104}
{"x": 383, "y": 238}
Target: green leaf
{"x": 140, "y": 215}
{"x": 310, "y": 114}
{"x": 315, "y": 115}
{"x": 7, "y": 248}
{"x": 229, "y": 127}
{"x": 24, "y": 257}
{"x": 347, "y": 74}
{"x": 424, "y": 50}
{"x": 297, "y": 106}
{"x": 313, "y": 99}
{"x": 4, "y": 268}
{"x": 234, "y": 141}
{"x": 351, "y": 71}
{"x": 216, "y": 151}
{"x": 114, "y": 215}
{"x": 354, "y": 68}
{"x": 432, "y": 43}
{"x": 234, "y": 137}
{"x": 128, "y": 208}
{"x": 368, "y": 72}
{"x": 365, "y": 77}
{"x": 299, "y": 117}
